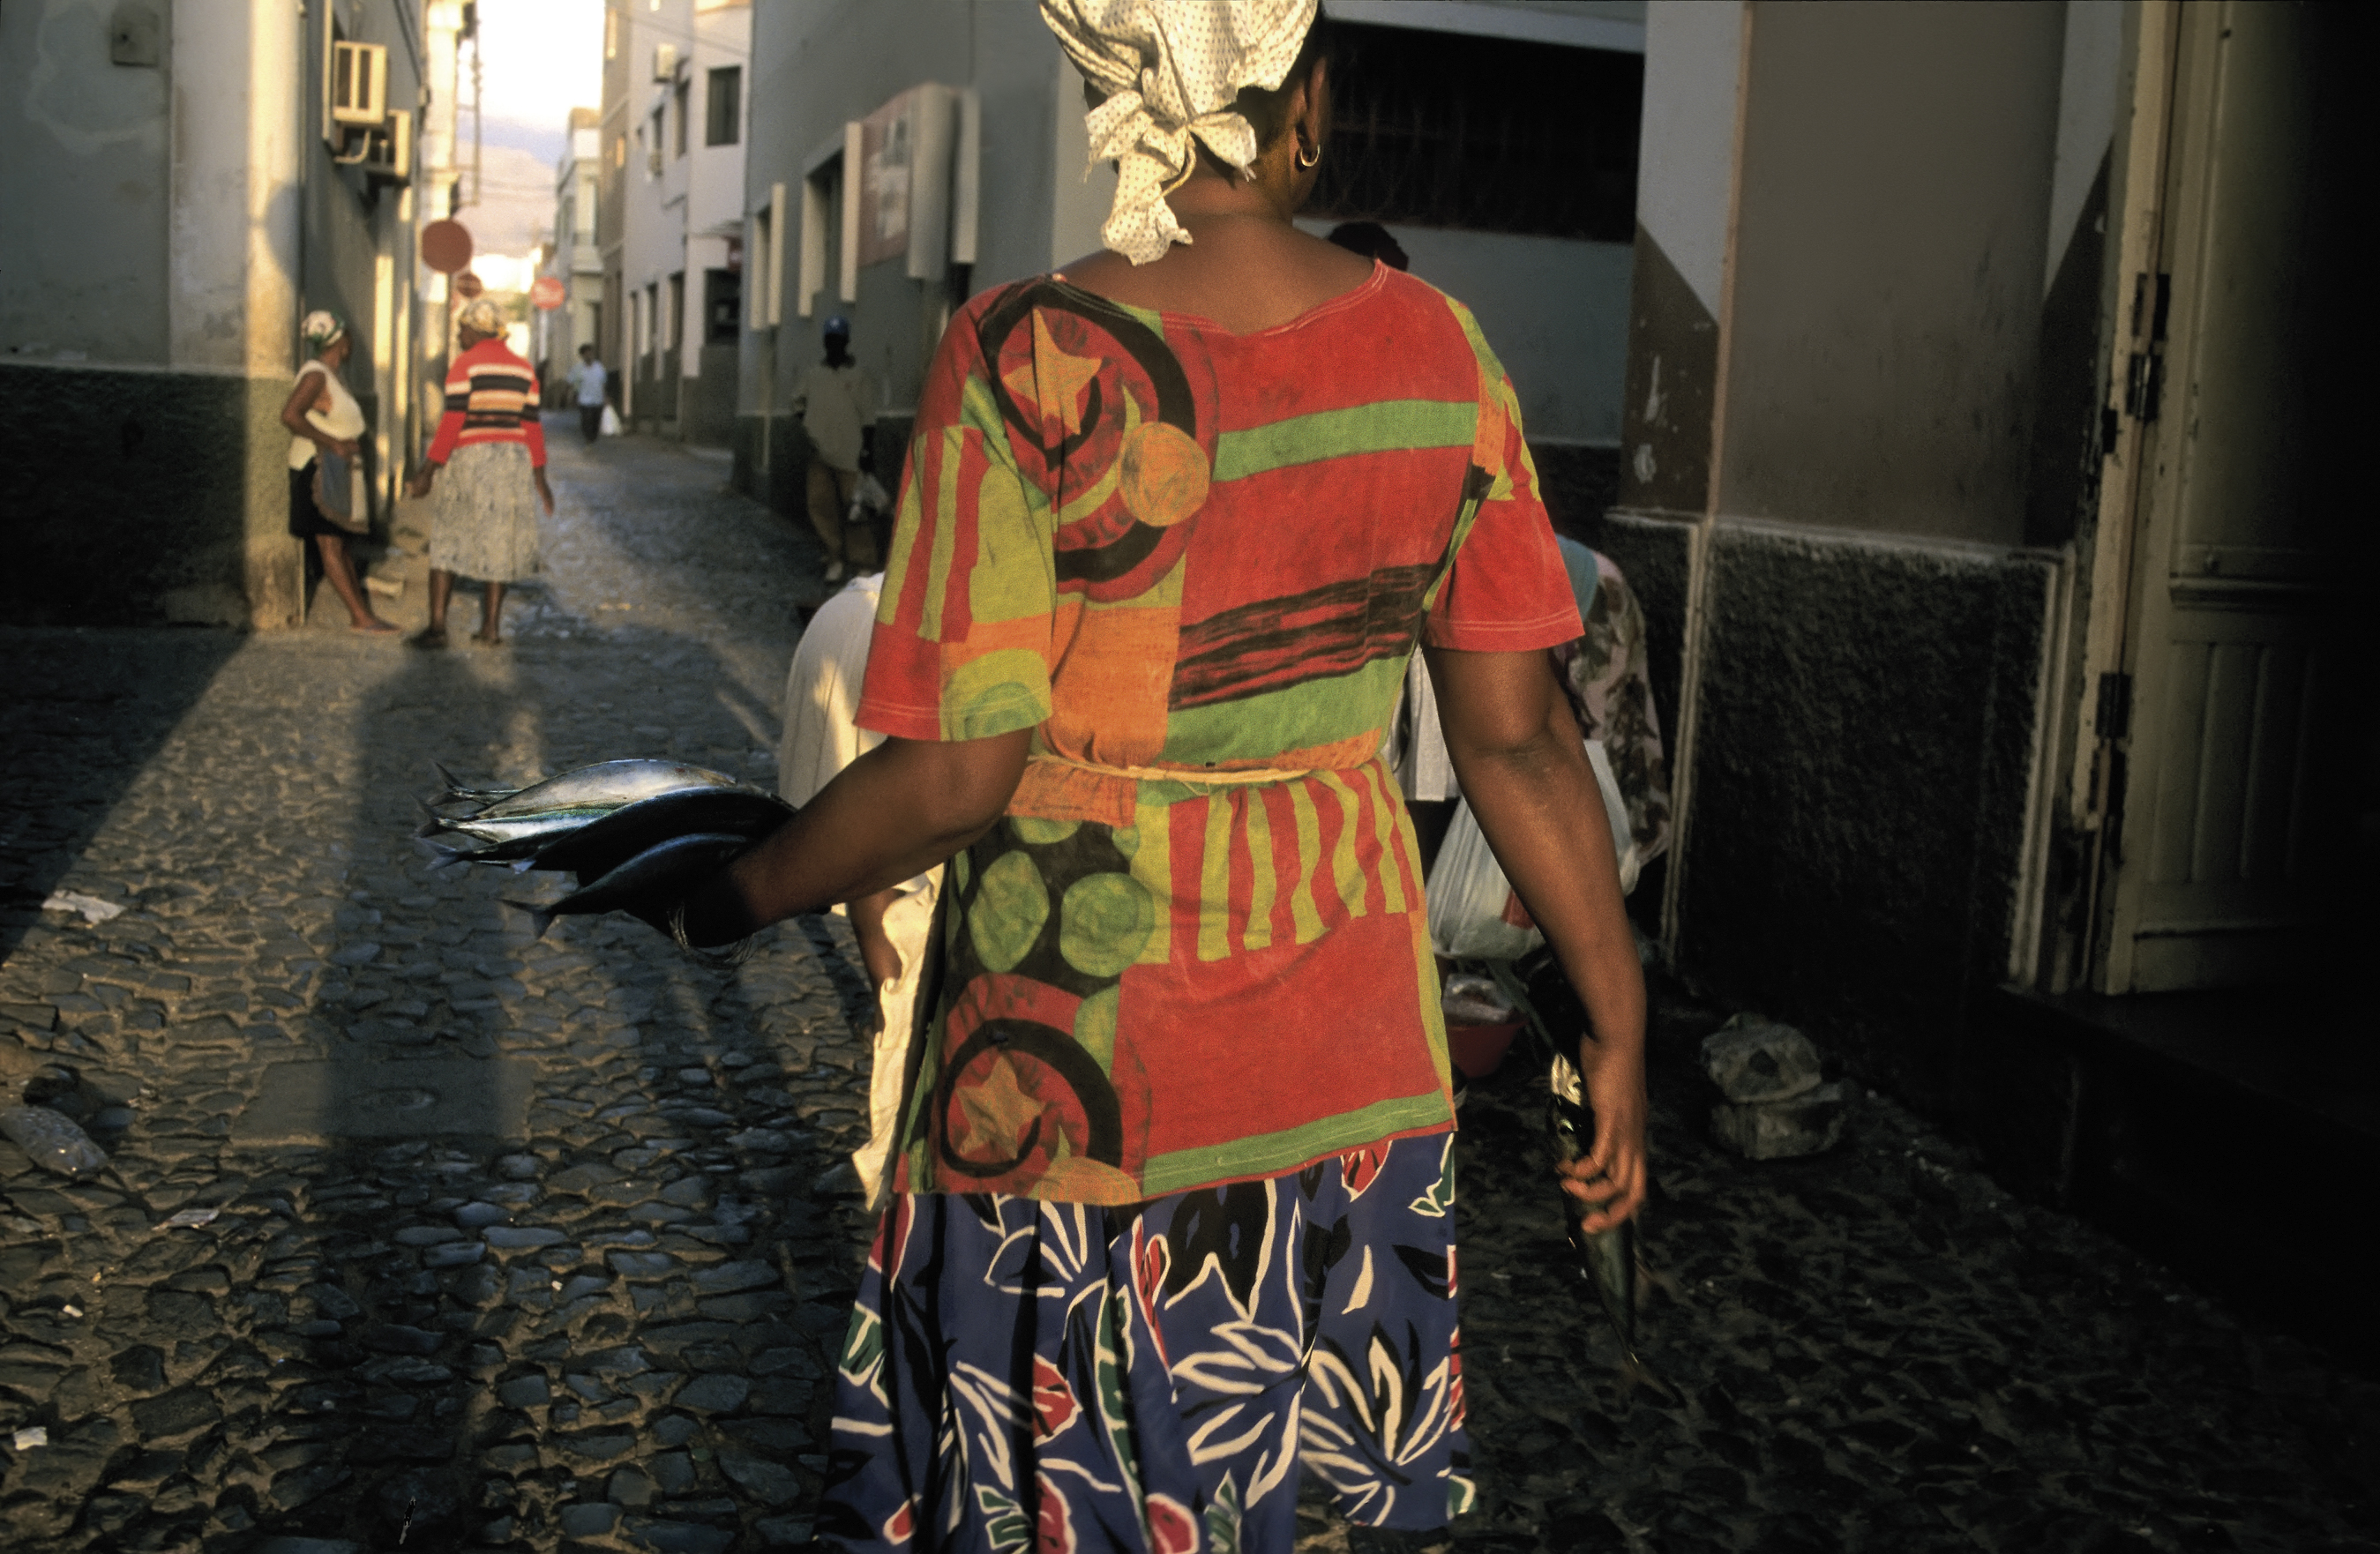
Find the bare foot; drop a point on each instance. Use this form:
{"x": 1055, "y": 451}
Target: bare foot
{"x": 429, "y": 636}
{"x": 486, "y": 640}
{"x": 372, "y": 625}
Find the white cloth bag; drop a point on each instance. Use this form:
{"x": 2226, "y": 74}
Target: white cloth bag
{"x": 1473, "y": 912}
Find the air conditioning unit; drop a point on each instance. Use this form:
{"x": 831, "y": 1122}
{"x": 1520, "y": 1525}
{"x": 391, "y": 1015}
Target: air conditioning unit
{"x": 664, "y": 62}
{"x": 388, "y": 153}
{"x": 358, "y": 84}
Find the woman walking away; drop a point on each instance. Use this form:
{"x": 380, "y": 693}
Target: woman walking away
{"x": 1171, "y": 1210}
{"x": 485, "y": 526}
{"x": 326, "y": 425}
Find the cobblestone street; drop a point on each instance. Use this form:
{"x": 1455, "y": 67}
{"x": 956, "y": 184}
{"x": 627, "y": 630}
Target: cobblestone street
{"x": 420, "y": 1231}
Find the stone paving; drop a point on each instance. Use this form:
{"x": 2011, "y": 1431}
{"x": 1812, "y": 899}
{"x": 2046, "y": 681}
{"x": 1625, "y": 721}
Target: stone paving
{"x": 421, "y": 1233}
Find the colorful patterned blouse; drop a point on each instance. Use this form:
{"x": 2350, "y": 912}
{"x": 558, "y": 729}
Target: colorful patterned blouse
{"x": 490, "y": 397}
{"x": 1194, "y": 563}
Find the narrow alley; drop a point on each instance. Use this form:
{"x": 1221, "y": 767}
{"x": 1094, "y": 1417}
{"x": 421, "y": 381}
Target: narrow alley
{"x": 418, "y": 1231}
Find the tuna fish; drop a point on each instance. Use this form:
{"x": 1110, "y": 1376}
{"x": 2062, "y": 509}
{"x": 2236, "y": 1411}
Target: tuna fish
{"x": 601, "y": 845}
{"x": 646, "y": 883}
{"x": 606, "y": 786}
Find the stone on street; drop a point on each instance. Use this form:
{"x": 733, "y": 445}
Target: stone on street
{"x": 548, "y": 1244}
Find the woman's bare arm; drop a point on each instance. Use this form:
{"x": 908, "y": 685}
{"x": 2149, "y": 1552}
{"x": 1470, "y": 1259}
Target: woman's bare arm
{"x": 1525, "y": 774}
{"x": 312, "y": 394}
{"x": 891, "y": 814}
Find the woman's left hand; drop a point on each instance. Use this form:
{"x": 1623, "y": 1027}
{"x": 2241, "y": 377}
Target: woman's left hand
{"x": 1609, "y": 1181}
{"x": 544, "y": 494}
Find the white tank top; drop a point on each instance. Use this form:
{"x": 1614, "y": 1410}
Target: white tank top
{"x": 344, "y": 421}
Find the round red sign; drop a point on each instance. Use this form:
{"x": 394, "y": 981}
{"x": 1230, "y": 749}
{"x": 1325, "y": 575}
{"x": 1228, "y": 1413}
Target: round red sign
{"x": 446, "y": 246}
{"x": 546, "y": 291}
{"x": 466, "y": 286}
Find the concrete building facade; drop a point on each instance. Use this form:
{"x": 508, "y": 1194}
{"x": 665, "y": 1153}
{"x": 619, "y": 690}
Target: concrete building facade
{"x": 574, "y": 258}
{"x": 183, "y": 181}
{"x": 673, "y": 127}
{"x": 971, "y": 116}
{"x": 1991, "y": 519}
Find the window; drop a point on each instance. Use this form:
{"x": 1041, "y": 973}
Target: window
{"x": 610, "y": 34}
{"x": 1483, "y": 134}
{"x": 653, "y": 319}
{"x": 653, "y": 145}
{"x": 681, "y": 97}
{"x": 723, "y": 303}
{"x": 676, "y": 340}
{"x": 723, "y": 107}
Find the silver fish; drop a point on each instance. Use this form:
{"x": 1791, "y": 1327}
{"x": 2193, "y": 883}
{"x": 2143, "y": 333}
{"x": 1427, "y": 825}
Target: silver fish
{"x": 650, "y": 879}
{"x": 605, "y": 786}
{"x": 473, "y": 839}
{"x": 457, "y": 794}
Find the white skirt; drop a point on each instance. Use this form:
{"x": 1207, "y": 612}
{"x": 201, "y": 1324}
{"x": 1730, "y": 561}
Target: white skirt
{"x": 485, "y": 526}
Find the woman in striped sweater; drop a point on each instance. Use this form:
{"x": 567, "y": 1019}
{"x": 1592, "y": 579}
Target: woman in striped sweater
{"x": 486, "y": 522}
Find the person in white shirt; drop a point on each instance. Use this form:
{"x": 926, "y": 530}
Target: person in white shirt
{"x": 822, "y": 738}
{"x": 837, "y": 404}
{"x": 589, "y": 379}
{"x": 326, "y": 428}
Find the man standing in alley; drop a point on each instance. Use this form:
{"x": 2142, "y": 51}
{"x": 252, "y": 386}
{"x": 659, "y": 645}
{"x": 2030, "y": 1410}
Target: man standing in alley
{"x": 837, "y": 404}
{"x": 589, "y": 379}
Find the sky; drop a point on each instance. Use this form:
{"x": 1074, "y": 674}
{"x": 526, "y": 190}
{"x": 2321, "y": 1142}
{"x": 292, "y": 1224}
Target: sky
{"x": 541, "y": 59}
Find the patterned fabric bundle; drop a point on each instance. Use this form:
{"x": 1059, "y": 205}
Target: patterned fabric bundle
{"x": 1062, "y": 1376}
{"x": 1172, "y": 69}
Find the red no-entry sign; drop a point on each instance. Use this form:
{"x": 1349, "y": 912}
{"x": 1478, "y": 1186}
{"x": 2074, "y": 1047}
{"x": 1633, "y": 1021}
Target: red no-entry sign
{"x": 466, "y": 286}
{"x": 546, "y": 292}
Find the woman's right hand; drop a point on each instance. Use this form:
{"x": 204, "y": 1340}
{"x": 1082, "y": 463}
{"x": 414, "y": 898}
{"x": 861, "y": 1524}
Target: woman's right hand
{"x": 420, "y": 485}
{"x": 346, "y": 448}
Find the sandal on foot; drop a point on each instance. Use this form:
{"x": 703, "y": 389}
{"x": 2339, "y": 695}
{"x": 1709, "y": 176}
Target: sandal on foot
{"x": 430, "y": 639}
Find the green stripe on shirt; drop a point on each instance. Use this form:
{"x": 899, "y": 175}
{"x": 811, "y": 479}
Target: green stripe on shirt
{"x": 1392, "y": 425}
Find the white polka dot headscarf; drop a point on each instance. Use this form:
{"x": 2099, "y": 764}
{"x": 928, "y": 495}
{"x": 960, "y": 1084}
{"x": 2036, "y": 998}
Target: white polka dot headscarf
{"x": 1172, "y": 69}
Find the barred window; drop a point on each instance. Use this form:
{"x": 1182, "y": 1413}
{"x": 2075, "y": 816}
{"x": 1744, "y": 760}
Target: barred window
{"x": 1482, "y": 134}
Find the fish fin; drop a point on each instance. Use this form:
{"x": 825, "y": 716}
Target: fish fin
{"x": 453, "y": 788}
{"x": 522, "y": 865}
{"x": 431, "y": 821}
{"x": 539, "y": 918}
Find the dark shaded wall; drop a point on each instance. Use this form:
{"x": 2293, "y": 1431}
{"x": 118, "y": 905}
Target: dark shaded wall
{"x": 1835, "y": 384}
{"x": 126, "y": 494}
{"x": 1865, "y": 750}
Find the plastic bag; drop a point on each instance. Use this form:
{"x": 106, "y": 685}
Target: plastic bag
{"x": 1473, "y": 912}
{"x": 611, "y": 422}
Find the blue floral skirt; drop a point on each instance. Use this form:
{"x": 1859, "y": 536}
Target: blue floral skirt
{"x": 1020, "y": 1374}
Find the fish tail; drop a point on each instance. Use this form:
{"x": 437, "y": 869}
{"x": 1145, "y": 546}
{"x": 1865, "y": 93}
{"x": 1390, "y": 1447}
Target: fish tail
{"x": 539, "y": 918}
{"x": 433, "y": 822}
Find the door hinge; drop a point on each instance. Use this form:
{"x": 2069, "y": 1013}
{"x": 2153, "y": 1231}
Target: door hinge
{"x": 2143, "y": 378}
{"x": 2113, "y": 719}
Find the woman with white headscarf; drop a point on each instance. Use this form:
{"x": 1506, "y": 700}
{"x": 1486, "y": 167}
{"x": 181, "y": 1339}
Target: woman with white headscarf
{"x": 326, "y": 426}
{"x": 485, "y": 526}
{"x": 1172, "y": 1213}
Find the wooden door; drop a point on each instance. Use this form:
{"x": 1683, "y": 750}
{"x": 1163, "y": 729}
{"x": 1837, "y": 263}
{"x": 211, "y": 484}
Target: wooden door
{"x": 2235, "y": 824}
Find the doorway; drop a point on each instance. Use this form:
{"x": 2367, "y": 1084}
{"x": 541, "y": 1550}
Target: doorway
{"x": 2233, "y": 836}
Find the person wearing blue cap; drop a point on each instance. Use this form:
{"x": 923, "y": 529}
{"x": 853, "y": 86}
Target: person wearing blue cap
{"x": 837, "y": 404}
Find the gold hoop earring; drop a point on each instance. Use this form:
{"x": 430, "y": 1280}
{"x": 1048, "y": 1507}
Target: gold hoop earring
{"x": 1306, "y": 163}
